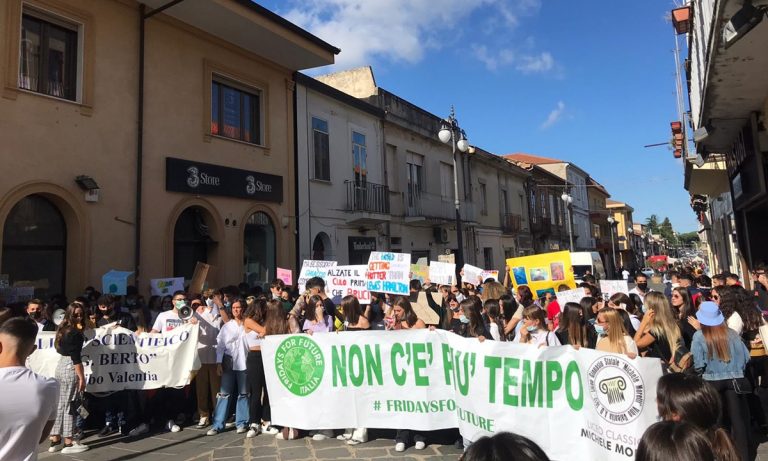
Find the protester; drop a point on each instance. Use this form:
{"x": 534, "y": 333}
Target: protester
{"x": 207, "y": 380}
{"x": 504, "y": 446}
{"x": 471, "y": 318}
{"x": 71, "y": 377}
{"x": 721, "y": 356}
{"x": 29, "y": 406}
{"x": 354, "y": 320}
{"x": 612, "y": 334}
{"x": 534, "y": 329}
{"x": 510, "y": 308}
{"x": 316, "y": 318}
{"x": 659, "y": 335}
{"x": 574, "y": 329}
{"x": 492, "y": 308}
{"x": 259, "y": 410}
{"x": 729, "y": 306}
{"x": 679, "y": 441}
{"x": 641, "y": 286}
{"x": 36, "y": 312}
{"x": 590, "y": 307}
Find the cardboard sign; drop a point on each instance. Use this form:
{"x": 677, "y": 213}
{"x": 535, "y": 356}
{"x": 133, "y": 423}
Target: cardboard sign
{"x": 570, "y": 296}
{"x": 286, "y": 275}
{"x": 423, "y": 311}
{"x": 197, "y": 285}
{"x": 342, "y": 281}
{"x": 163, "y": 287}
{"x": 389, "y": 272}
{"x": 115, "y": 282}
{"x": 313, "y": 268}
{"x": 472, "y": 274}
{"x": 611, "y": 287}
{"x": 442, "y": 273}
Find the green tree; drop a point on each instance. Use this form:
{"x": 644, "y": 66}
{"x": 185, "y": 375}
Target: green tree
{"x": 666, "y": 230}
{"x": 653, "y": 224}
{"x": 688, "y": 238}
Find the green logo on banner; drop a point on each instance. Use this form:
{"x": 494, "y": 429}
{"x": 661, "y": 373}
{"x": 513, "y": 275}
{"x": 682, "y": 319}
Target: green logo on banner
{"x": 300, "y": 365}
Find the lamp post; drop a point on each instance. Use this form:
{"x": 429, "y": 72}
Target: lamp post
{"x": 567, "y": 200}
{"x": 611, "y": 221}
{"x": 450, "y": 132}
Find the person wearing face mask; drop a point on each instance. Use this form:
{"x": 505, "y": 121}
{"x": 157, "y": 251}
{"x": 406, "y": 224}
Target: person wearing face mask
{"x": 534, "y": 330}
{"x": 612, "y": 334}
{"x": 207, "y": 380}
{"x": 35, "y": 311}
{"x": 574, "y": 329}
{"x": 641, "y": 286}
{"x": 471, "y": 319}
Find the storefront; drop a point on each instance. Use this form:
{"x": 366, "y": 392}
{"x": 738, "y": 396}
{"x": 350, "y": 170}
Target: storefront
{"x": 360, "y": 249}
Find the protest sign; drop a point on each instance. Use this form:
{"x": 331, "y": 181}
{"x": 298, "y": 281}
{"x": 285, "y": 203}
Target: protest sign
{"x": 197, "y": 284}
{"x": 312, "y": 268}
{"x": 422, "y": 309}
{"x": 420, "y": 272}
{"x": 442, "y": 273}
{"x": 545, "y": 272}
{"x": 347, "y": 280}
{"x": 286, "y": 275}
{"x": 490, "y": 275}
{"x": 449, "y": 258}
{"x": 18, "y": 294}
{"x": 163, "y": 287}
{"x": 389, "y": 272}
{"x": 472, "y": 274}
{"x": 116, "y": 358}
{"x": 611, "y": 287}
{"x": 115, "y": 282}
{"x": 586, "y": 404}
{"x": 570, "y": 296}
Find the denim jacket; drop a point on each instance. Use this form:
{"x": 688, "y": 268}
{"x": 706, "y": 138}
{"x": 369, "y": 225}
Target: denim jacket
{"x": 715, "y": 369}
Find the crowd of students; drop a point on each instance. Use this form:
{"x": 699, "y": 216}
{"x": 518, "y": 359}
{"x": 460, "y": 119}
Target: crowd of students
{"x": 706, "y": 337}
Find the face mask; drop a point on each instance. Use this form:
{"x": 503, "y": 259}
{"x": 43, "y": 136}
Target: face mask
{"x": 36, "y": 315}
{"x": 179, "y": 304}
{"x": 642, "y": 286}
{"x": 645, "y": 309}
{"x": 209, "y": 302}
{"x": 227, "y": 304}
{"x": 463, "y": 319}
{"x": 531, "y": 328}
{"x": 600, "y": 329}
{"x": 459, "y": 297}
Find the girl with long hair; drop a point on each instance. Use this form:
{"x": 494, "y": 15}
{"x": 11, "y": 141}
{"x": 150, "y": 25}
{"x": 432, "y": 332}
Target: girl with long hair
{"x": 612, "y": 334}
{"x": 354, "y": 320}
{"x": 757, "y": 367}
{"x": 471, "y": 318}
{"x": 259, "y": 412}
{"x": 524, "y": 296}
{"x": 589, "y": 307}
{"x": 71, "y": 377}
{"x": 512, "y": 313}
{"x": 316, "y": 320}
{"x": 721, "y": 357}
{"x": 685, "y": 310}
{"x": 492, "y": 309}
{"x": 574, "y": 329}
{"x": 659, "y": 333}
{"x": 451, "y": 321}
{"x": 680, "y": 441}
{"x": 534, "y": 330}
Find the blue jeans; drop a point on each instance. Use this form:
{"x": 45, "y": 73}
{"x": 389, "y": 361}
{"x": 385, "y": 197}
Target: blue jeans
{"x": 231, "y": 380}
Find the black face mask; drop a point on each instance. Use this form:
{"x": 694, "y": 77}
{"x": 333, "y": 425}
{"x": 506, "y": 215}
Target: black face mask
{"x": 642, "y": 286}
{"x": 36, "y": 315}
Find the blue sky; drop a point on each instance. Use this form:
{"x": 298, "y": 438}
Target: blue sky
{"x": 588, "y": 81}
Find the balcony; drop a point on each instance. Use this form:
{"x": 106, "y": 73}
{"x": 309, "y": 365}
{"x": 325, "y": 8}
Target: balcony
{"x": 429, "y": 208}
{"x": 368, "y": 202}
{"x": 511, "y": 223}
{"x": 541, "y": 226}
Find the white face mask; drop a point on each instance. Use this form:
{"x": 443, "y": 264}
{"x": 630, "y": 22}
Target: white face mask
{"x": 209, "y": 302}
{"x": 459, "y": 297}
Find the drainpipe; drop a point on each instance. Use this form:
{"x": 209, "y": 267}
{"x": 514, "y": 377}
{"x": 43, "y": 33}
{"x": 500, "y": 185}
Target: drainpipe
{"x": 297, "y": 257}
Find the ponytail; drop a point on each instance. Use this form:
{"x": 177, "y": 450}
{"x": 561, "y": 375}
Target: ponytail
{"x": 722, "y": 445}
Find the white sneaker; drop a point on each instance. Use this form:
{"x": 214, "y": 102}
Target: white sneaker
{"x": 252, "y": 432}
{"x": 139, "y": 430}
{"x": 172, "y": 426}
{"x": 56, "y": 446}
{"x": 291, "y": 434}
{"x": 420, "y": 445}
{"x": 203, "y": 422}
{"x": 212, "y": 432}
{"x": 267, "y": 428}
{"x": 400, "y": 446}
{"x": 318, "y": 437}
{"x": 74, "y": 449}
{"x": 229, "y": 425}
{"x": 241, "y": 430}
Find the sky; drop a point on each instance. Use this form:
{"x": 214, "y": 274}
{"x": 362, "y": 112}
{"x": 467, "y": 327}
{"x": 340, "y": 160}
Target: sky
{"x": 586, "y": 81}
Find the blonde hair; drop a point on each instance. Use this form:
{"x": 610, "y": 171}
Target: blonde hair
{"x": 664, "y": 322}
{"x": 492, "y": 290}
{"x": 616, "y": 330}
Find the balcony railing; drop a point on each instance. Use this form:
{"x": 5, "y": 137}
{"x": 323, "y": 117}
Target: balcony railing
{"x": 367, "y": 197}
{"x": 541, "y": 226}
{"x": 420, "y": 204}
{"x": 511, "y": 223}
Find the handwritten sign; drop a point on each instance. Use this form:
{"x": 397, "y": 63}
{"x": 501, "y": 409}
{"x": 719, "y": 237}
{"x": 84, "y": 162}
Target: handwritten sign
{"x": 286, "y": 275}
{"x": 449, "y": 258}
{"x": 389, "y": 272}
{"x": 570, "y": 296}
{"x": 163, "y": 287}
{"x": 490, "y": 275}
{"x": 313, "y": 268}
{"x": 347, "y": 280}
{"x": 442, "y": 273}
{"x": 611, "y": 287}
{"x": 472, "y": 274}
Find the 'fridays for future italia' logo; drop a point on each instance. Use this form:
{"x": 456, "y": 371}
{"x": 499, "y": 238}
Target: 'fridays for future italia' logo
{"x": 300, "y": 365}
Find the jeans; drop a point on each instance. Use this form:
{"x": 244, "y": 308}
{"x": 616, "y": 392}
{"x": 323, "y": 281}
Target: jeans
{"x": 231, "y": 381}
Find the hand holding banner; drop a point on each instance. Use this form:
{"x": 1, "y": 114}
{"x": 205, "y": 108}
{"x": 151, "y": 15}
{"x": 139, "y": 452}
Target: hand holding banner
{"x": 611, "y": 287}
{"x": 472, "y": 274}
{"x": 286, "y": 275}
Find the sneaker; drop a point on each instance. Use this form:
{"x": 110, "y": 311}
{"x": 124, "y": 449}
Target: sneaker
{"x": 74, "y": 448}
{"x": 123, "y": 430}
{"x": 355, "y": 442}
{"x": 420, "y": 445}
{"x": 288, "y": 433}
{"x": 203, "y": 422}
{"x": 139, "y": 430}
{"x": 107, "y": 431}
{"x": 344, "y": 436}
{"x": 399, "y": 446}
{"x": 267, "y": 428}
{"x": 317, "y": 437}
{"x": 172, "y": 426}
{"x": 241, "y": 430}
{"x": 229, "y": 425}
{"x": 55, "y": 446}
{"x": 212, "y": 432}
{"x": 253, "y": 431}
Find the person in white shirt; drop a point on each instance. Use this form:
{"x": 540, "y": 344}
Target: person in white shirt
{"x": 208, "y": 381}
{"x": 641, "y": 286}
{"x": 29, "y": 402}
{"x": 37, "y": 313}
{"x": 534, "y": 330}
{"x": 231, "y": 353}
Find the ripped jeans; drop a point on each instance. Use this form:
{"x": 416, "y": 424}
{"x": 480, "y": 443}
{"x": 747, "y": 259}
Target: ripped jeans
{"x": 231, "y": 381}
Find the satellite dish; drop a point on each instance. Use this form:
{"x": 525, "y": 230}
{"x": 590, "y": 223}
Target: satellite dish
{"x": 58, "y": 316}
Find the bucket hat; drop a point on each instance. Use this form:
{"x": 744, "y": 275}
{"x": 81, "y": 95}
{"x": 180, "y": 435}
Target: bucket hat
{"x": 709, "y": 314}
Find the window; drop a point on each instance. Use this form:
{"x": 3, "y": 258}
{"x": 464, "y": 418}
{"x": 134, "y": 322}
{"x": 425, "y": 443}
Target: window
{"x": 488, "y": 257}
{"x": 446, "y": 182}
{"x": 321, "y": 149}
{"x": 359, "y": 154}
{"x": 504, "y": 206}
{"x": 484, "y": 200}
{"x": 415, "y": 176}
{"x": 259, "y": 250}
{"x": 48, "y": 57}
{"x": 235, "y": 113}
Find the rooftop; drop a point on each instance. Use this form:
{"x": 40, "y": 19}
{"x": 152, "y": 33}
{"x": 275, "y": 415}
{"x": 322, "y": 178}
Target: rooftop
{"x": 532, "y": 159}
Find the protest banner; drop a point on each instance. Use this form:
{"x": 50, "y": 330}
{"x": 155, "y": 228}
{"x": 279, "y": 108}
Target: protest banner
{"x": 347, "y": 280}
{"x": 611, "y": 287}
{"x": 389, "y": 272}
{"x": 570, "y": 296}
{"x": 420, "y": 272}
{"x": 286, "y": 275}
{"x": 163, "y": 287}
{"x": 197, "y": 284}
{"x": 312, "y": 268}
{"x": 115, "y": 358}
{"x": 442, "y": 273}
{"x": 543, "y": 272}
{"x": 578, "y": 405}
{"x": 472, "y": 274}
{"x": 115, "y": 282}
{"x": 494, "y": 274}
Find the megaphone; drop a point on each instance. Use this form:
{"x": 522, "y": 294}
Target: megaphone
{"x": 186, "y": 312}
{"x": 58, "y": 316}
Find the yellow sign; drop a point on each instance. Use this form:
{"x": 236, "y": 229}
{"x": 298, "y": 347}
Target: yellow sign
{"x": 543, "y": 272}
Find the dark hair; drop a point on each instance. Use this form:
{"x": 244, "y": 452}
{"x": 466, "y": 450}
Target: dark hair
{"x": 410, "y": 316}
{"x": 472, "y": 307}
{"x": 587, "y": 304}
{"x": 24, "y": 330}
{"x": 275, "y": 319}
{"x": 107, "y": 300}
{"x": 627, "y": 322}
{"x": 310, "y": 308}
{"x": 621, "y": 298}
{"x": 687, "y": 309}
{"x": 351, "y": 308}
{"x": 315, "y": 282}
{"x": 504, "y": 446}
{"x": 728, "y": 300}
{"x": 179, "y": 292}
{"x": 640, "y": 274}
{"x": 536, "y": 313}
{"x": 719, "y": 277}
{"x": 704, "y": 281}
{"x": 525, "y": 294}
{"x": 732, "y": 276}
{"x": 573, "y": 324}
{"x": 34, "y": 301}
{"x": 747, "y": 309}
{"x": 686, "y": 276}
{"x": 680, "y": 441}
{"x": 415, "y": 285}
{"x": 689, "y": 398}
{"x": 277, "y": 283}
{"x": 508, "y": 306}
{"x": 589, "y": 278}
{"x": 67, "y": 324}
{"x": 256, "y": 310}
{"x": 637, "y": 303}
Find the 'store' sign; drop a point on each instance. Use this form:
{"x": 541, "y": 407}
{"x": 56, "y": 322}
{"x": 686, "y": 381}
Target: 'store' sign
{"x": 577, "y": 405}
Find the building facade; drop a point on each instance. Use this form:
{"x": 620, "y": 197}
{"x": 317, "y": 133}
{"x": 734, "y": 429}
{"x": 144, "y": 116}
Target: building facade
{"x": 624, "y": 234}
{"x": 601, "y": 228}
{"x": 150, "y": 164}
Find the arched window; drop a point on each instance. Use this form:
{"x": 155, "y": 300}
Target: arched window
{"x": 191, "y": 241}
{"x": 259, "y": 252}
{"x": 35, "y": 246}
{"x": 321, "y": 247}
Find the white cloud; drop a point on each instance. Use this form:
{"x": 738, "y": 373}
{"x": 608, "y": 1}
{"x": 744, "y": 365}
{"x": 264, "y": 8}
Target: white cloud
{"x": 554, "y": 116}
{"x": 405, "y": 30}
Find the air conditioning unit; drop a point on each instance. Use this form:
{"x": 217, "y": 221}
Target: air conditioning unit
{"x": 441, "y": 234}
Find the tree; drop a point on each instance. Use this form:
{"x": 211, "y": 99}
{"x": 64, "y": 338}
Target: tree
{"x": 666, "y": 230}
{"x": 688, "y": 238}
{"x": 653, "y": 224}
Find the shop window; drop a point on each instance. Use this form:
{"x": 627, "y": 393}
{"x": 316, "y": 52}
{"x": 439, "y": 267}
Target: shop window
{"x": 259, "y": 254}
{"x": 191, "y": 242}
{"x": 35, "y": 246}
{"x": 236, "y": 112}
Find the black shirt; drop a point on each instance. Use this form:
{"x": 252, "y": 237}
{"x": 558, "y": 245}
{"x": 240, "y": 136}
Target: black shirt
{"x": 565, "y": 338}
{"x": 71, "y": 345}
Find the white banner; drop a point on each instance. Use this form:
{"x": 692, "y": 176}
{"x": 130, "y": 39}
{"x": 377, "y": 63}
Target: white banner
{"x": 442, "y": 273}
{"x": 116, "y": 358}
{"x": 312, "y": 268}
{"x": 389, "y": 272}
{"x": 347, "y": 280}
{"x": 578, "y": 405}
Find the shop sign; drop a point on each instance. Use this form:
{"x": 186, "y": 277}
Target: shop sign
{"x": 206, "y": 179}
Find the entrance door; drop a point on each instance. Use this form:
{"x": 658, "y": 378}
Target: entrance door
{"x": 191, "y": 242}
{"x": 259, "y": 254}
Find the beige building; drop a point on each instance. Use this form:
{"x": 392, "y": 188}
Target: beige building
{"x": 623, "y": 234}
{"x": 147, "y": 143}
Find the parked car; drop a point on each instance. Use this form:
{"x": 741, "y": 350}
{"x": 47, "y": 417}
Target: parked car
{"x": 647, "y": 271}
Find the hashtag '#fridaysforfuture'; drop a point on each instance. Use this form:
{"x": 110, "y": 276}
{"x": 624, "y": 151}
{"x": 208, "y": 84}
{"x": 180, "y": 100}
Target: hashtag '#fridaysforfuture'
{"x": 377, "y": 405}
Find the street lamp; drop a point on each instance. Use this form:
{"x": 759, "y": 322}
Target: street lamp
{"x": 567, "y": 200}
{"x": 611, "y": 221}
{"x": 450, "y": 132}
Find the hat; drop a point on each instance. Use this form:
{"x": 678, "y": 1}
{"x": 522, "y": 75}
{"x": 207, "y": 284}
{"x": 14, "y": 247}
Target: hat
{"x": 709, "y": 314}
